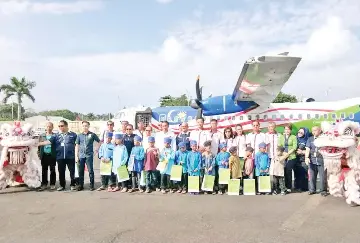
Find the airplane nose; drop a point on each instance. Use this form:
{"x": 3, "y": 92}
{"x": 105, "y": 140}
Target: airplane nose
{"x": 194, "y": 104}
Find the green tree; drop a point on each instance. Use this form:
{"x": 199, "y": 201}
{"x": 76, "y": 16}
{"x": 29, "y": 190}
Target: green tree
{"x": 63, "y": 113}
{"x": 285, "y": 98}
{"x": 6, "y": 111}
{"x": 19, "y": 88}
{"x": 169, "y": 100}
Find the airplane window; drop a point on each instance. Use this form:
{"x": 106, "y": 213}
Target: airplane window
{"x": 326, "y": 116}
{"x": 343, "y": 116}
{"x": 240, "y": 118}
{"x": 291, "y": 116}
{"x": 265, "y": 117}
{"x": 233, "y": 118}
{"x": 300, "y": 117}
{"x": 282, "y": 117}
{"x": 333, "y": 116}
{"x": 257, "y": 117}
{"x": 162, "y": 117}
{"x": 317, "y": 116}
{"x": 249, "y": 118}
{"x": 308, "y": 116}
{"x": 351, "y": 116}
{"x": 218, "y": 118}
{"x": 273, "y": 117}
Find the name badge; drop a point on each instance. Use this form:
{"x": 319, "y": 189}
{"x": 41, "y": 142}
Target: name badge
{"x": 62, "y": 144}
{"x": 315, "y": 154}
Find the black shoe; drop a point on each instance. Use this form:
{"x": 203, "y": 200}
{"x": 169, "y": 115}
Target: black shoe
{"x": 312, "y": 193}
{"x": 324, "y": 194}
{"x": 80, "y": 188}
{"x": 92, "y": 189}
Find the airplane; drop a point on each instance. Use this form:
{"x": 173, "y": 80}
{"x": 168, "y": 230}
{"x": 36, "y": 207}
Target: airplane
{"x": 260, "y": 81}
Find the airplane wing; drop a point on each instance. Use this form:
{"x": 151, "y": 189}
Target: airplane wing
{"x": 262, "y": 78}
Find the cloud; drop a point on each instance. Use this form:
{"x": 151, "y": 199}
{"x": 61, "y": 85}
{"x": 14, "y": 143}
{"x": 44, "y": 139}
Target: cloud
{"x": 9, "y": 7}
{"x": 325, "y": 33}
{"x": 164, "y": 1}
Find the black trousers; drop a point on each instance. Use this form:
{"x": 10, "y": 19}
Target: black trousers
{"x": 70, "y": 163}
{"x": 47, "y": 162}
{"x": 289, "y": 167}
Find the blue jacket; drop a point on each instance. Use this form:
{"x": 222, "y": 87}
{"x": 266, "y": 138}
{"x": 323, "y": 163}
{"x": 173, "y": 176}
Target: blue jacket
{"x": 169, "y": 155}
{"x": 207, "y": 162}
{"x": 64, "y": 145}
{"x": 106, "y": 150}
{"x": 262, "y": 162}
{"x": 223, "y": 157}
{"x": 181, "y": 157}
{"x": 194, "y": 163}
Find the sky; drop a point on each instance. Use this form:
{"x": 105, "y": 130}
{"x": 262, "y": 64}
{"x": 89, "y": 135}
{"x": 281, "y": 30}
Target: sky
{"x": 101, "y": 55}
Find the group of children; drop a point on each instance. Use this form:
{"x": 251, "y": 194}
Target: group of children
{"x": 153, "y": 167}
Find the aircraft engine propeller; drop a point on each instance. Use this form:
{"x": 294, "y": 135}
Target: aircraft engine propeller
{"x": 196, "y": 103}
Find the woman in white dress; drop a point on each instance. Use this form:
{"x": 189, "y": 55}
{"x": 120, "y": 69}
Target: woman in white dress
{"x": 240, "y": 143}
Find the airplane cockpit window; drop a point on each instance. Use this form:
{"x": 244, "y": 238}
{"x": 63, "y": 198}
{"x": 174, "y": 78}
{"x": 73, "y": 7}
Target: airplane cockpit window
{"x": 333, "y": 116}
{"x": 343, "y": 115}
{"x": 308, "y": 116}
{"x": 317, "y": 116}
{"x": 273, "y": 117}
{"x": 351, "y": 116}
{"x": 249, "y": 117}
{"x": 300, "y": 117}
{"x": 326, "y": 116}
{"x": 162, "y": 117}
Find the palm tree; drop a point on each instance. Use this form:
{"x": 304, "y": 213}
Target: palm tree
{"x": 18, "y": 88}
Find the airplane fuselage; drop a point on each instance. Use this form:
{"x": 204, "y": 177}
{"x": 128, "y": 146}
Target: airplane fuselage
{"x": 224, "y": 104}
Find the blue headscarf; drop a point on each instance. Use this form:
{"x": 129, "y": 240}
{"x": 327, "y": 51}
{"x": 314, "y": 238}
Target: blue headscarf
{"x": 303, "y": 140}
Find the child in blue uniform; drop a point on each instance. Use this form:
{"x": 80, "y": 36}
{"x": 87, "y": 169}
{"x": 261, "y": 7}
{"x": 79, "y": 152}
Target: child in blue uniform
{"x": 194, "y": 161}
{"x": 208, "y": 162}
{"x": 106, "y": 151}
{"x": 181, "y": 159}
{"x": 262, "y": 164}
{"x": 167, "y": 155}
{"x": 120, "y": 158}
{"x": 136, "y": 163}
{"x": 222, "y": 162}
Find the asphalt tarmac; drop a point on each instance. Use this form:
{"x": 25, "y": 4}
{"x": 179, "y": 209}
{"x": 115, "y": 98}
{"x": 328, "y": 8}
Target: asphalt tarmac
{"x": 110, "y": 217}
{"x": 85, "y": 216}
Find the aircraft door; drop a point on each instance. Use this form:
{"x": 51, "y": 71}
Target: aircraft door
{"x": 144, "y": 116}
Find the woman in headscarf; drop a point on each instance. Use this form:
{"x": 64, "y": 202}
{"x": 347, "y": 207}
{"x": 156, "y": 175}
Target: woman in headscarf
{"x": 301, "y": 169}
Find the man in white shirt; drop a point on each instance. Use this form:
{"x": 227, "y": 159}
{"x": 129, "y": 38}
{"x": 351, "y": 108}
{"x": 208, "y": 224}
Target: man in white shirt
{"x": 140, "y": 129}
{"x": 215, "y": 136}
{"x": 164, "y": 133}
{"x": 272, "y": 138}
{"x": 110, "y": 128}
{"x": 146, "y": 135}
{"x": 256, "y": 137}
{"x": 199, "y": 135}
